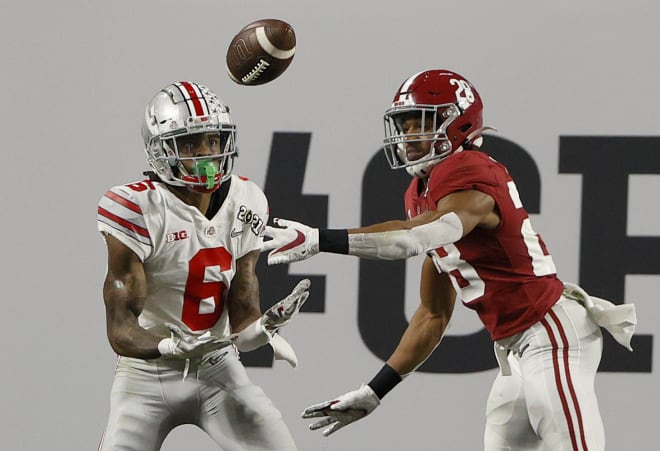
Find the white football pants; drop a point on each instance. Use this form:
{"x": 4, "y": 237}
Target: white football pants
{"x": 150, "y": 398}
{"x": 549, "y": 402}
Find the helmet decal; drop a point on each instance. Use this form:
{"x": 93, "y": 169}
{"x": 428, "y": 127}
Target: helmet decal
{"x": 194, "y": 98}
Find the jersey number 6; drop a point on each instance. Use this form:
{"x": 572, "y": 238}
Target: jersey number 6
{"x": 202, "y": 300}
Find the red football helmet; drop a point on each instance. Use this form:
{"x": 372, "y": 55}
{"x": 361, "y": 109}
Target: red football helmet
{"x": 451, "y": 117}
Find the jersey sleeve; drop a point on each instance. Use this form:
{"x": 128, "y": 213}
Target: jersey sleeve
{"x": 463, "y": 171}
{"x": 119, "y": 214}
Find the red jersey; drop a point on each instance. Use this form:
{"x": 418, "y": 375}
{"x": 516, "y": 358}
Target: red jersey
{"x": 506, "y": 274}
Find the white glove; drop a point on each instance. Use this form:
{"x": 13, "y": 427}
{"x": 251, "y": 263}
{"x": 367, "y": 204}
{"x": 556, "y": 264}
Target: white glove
{"x": 264, "y": 329}
{"x": 342, "y": 411}
{"x": 184, "y": 346}
{"x": 291, "y": 243}
{"x": 281, "y": 313}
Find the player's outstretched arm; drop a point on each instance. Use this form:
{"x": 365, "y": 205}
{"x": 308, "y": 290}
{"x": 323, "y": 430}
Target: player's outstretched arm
{"x": 429, "y": 322}
{"x": 456, "y": 215}
{"x": 418, "y": 342}
{"x": 391, "y": 240}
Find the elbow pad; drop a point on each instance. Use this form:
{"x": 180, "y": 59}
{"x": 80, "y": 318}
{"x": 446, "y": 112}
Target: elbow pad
{"x": 401, "y": 244}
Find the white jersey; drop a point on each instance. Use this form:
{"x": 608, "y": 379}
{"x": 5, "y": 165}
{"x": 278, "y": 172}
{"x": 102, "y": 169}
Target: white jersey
{"x": 189, "y": 260}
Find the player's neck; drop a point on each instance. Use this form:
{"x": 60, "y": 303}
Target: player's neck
{"x": 192, "y": 198}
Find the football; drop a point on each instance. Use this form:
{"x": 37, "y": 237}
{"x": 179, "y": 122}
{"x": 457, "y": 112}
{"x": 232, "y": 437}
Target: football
{"x": 261, "y": 52}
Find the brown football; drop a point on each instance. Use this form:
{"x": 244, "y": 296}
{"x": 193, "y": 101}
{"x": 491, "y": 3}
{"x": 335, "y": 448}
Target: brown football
{"x": 261, "y": 52}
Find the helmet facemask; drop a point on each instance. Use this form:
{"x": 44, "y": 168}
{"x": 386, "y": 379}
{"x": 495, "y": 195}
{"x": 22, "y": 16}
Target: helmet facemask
{"x": 202, "y": 173}
{"x": 434, "y": 121}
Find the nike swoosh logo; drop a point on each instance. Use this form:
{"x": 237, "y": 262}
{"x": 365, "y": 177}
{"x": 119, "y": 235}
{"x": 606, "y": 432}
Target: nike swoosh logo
{"x": 234, "y": 233}
{"x": 300, "y": 238}
{"x": 216, "y": 358}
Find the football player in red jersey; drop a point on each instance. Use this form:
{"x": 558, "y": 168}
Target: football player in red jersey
{"x": 181, "y": 292}
{"x": 465, "y": 214}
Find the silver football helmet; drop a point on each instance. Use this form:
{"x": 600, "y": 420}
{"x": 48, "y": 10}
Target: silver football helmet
{"x": 181, "y": 109}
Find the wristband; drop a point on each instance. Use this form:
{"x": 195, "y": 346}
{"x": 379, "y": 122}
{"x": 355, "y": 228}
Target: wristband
{"x": 384, "y": 381}
{"x": 333, "y": 240}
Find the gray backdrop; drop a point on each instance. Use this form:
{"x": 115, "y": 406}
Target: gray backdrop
{"x": 76, "y": 75}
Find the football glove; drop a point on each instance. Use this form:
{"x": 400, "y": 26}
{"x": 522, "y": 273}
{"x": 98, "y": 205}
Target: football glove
{"x": 183, "y": 345}
{"x": 264, "y": 329}
{"x": 342, "y": 411}
{"x": 281, "y": 313}
{"x": 291, "y": 243}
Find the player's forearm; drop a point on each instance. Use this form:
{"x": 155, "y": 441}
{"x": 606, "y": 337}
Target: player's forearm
{"x": 244, "y": 319}
{"x": 243, "y": 303}
{"x": 418, "y": 341}
{"x": 243, "y": 299}
{"x": 387, "y": 226}
{"x": 123, "y": 304}
{"x": 128, "y": 339}
{"x": 337, "y": 240}
{"x": 392, "y": 240}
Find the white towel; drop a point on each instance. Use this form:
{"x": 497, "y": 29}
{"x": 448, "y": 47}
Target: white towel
{"x": 618, "y": 320}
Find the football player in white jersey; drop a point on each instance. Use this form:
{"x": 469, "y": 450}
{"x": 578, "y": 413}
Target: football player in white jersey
{"x": 181, "y": 293}
{"x": 465, "y": 214}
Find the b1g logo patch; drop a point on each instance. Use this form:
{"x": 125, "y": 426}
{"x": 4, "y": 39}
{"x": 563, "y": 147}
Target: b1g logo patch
{"x": 246, "y": 216}
{"x": 176, "y": 236}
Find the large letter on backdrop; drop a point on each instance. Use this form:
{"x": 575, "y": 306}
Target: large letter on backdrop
{"x": 283, "y": 187}
{"x": 607, "y": 253}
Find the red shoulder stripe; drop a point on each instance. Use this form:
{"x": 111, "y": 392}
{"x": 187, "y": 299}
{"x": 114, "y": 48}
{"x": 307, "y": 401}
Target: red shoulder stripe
{"x": 121, "y": 221}
{"x": 125, "y": 202}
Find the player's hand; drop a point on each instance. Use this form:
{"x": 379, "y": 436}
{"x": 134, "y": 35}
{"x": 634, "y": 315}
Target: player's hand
{"x": 183, "y": 345}
{"x": 281, "y": 313}
{"x": 263, "y": 330}
{"x": 342, "y": 411}
{"x": 291, "y": 242}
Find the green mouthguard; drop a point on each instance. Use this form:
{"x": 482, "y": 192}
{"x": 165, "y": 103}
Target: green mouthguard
{"x": 206, "y": 168}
